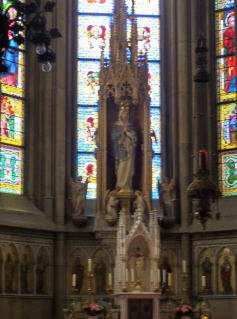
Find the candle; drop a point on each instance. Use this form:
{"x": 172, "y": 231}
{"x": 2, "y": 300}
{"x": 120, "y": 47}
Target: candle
{"x": 110, "y": 279}
{"x": 132, "y": 274}
{"x": 151, "y": 275}
{"x": 158, "y": 275}
{"x": 74, "y": 280}
{"x": 89, "y": 265}
{"x": 184, "y": 265}
{"x": 169, "y": 279}
{"x": 204, "y": 281}
{"x": 202, "y": 157}
{"x": 164, "y": 276}
{"x": 126, "y": 275}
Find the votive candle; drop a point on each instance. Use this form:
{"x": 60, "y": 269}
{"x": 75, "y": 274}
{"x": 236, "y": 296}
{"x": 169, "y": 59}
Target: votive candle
{"x": 74, "y": 280}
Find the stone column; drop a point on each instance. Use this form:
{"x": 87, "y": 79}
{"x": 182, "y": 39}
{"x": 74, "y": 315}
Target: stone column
{"x": 184, "y": 92}
{"x": 59, "y": 276}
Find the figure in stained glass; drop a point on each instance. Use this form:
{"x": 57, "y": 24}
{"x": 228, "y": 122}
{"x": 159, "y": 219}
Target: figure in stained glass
{"x": 90, "y": 129}
{"x": 143, "y": 37}
{"x": 229, "y": 44}
{"x": 11, "y": 55}
{"x": 96, "y": 1}
{"x": 93, "y": 82}
{"x": 96, "y": 37}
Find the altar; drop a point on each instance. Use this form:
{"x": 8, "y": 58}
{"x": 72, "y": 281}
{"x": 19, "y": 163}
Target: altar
{"x": 139, "y": 305}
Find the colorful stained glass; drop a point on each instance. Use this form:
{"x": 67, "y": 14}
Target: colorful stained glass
{"x": 12, "y": 121}
{"x": 225, "y": 40}
{"x": 87, "y": 124}
{"x": 148, "y": 36}
{"x": 11, "y": 170}
{"x": 225, "y": 77}
{"x": 155, "y": 129}
{"x": 144, "y": 7}
{"x": 227, "y": 126}
{"x": 228, "y": 173}
{"x": 88, "y": 82}
{"x": 224, "y": 4}
{"x": 94, "y": 34}
{"x": 154, "y": 83}
{"x": 156, "y": 175}
{"x": 87, "y": 168}
{"x": 95, "y": 6}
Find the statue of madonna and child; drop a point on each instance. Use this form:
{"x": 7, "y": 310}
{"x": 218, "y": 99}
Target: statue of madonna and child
{"x": 124, "y": 143}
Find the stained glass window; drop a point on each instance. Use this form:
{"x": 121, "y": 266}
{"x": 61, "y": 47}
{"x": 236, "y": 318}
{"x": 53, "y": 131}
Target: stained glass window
{"x": 94, "y": 21}
{"x": 226, "y": 96}
{"x": 12, "y": 113}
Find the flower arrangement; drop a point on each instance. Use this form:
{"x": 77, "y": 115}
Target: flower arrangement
{"x": 92, "y": 309}
{"x": 185, "y": 310}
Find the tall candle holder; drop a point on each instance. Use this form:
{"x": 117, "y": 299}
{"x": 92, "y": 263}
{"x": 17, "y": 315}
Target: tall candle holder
{"x": 72, "y": 311}
{"x": 170, "y": 314}
{"x": 204, "y": 314}
{"x": 110, "y": 291}
{"x": 89, "y": 299}
{"x": 155, "y": 289}
{"x": 184, "y": 300}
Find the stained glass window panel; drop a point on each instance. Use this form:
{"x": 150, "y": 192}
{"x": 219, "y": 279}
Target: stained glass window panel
{"x": 87, "y": 168}
{"x": 94, "y": 34}
{"x": 88, "y": 82}
{"x": 144, "y": 7}
{"x": 95, "y": 6}
{"x": 155, "y": 129}
{"x": 227, "y": 126}
{"x": 148, "y": 37}
{"x": 154, "y": 83}
{"x": 156, "y": 175}
{"x": 12, "y": 121}
{"x": 226, "y": 80}
{"x": 87, "y": 125}
{"x": 11, "y": 170}
{"x": 225, "y": 38}
{"x": 224, "y": 4}
{"x": 228, "y": 173}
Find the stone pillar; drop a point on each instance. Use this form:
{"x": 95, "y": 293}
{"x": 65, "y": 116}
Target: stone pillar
{"x": 59, "y": 276}
{"x": 184, "y": 91}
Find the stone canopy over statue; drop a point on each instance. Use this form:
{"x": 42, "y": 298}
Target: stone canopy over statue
{"x": 124, "y": 143}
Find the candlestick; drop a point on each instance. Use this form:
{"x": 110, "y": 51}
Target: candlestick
{"x": 151, "y": 275}
{"x": 126, "y": 276}
{"x": 169, "y": 279}
{"x": 110, "y": 279}
{"x": 89, "y": 265}
{"x": 203, "y": 281}
{"x": 132, "y": 275}
{"x": 184, "y": 265}
{"x": 158, "y": 275}
{"x": 164, "y": 276}
{"x": 74, "y": 276}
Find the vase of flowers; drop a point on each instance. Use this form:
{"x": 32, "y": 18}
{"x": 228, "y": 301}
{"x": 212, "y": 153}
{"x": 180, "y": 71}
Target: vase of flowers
{"x": 92, "y": 310}
{"x": 185, "y": 312}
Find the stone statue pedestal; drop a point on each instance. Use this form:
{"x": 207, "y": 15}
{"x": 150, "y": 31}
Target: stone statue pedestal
{"x": 126, "y": 198}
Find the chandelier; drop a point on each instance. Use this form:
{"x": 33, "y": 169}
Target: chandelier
{"x": 16, "y": 26}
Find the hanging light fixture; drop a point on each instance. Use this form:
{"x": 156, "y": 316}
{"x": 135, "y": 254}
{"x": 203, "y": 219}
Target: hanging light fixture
{"x": 13, "y": 20}
{"x": 203, "y": 190}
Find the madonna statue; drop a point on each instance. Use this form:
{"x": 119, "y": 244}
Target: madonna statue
{"x": 124, "y": 142}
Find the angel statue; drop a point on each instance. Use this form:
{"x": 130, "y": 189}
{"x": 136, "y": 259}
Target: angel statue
{"x": 78, "y": 190}
{"x": 143, "y": 201}
{"x": 111, "y": 207}
{"x": 166, "y": 191}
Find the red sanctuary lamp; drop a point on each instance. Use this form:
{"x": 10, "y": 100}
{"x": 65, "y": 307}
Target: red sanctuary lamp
{"x": 203, "y": 190}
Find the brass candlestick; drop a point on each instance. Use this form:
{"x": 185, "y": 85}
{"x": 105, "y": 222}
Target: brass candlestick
{"x": 72, "y": 311}
{"x": 184, "y": 300}
{"x": 170, "y": 314}
{"x": 89, "y": 299}
{"x": 110, "y": 291}
{"x": 204, "y": 314}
